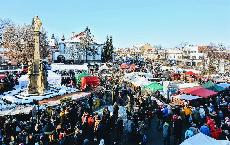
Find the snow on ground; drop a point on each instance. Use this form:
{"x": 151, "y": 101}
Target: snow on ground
{"x": 21, "y": 96}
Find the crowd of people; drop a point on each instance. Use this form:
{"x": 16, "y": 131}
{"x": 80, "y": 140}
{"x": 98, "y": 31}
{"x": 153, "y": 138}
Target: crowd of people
{"x": 211, "y": 119}
{"x": 78, "y": 122}
{"x": 75, "y": 123}
{"x": 9, "y": 80}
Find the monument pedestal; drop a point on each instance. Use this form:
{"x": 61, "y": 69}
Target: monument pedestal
{"x": 36, "y": 70}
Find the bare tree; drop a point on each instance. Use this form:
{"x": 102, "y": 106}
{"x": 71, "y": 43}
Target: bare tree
{"x": 19, "y": 42}
{"x": 3, "y": 24}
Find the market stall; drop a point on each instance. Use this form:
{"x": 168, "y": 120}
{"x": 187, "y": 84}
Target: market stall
{"x": 201, "y": 139}
{"x": 133, "y": 67}
{"x": 154, "y": 87}
{"x": 199, "y": 91}
{"x": 186, "y": 85}
{"x": 211, "y": 86}
{"x": 224, "y": 85}
{"x": 78, "y": 77}
{"x": 18, "y": 110}
{"x": 92, "y": 81}
{"x": 180, "y": 99}
{"x": 124, "y": 66}
{"x": 140, "y": 81}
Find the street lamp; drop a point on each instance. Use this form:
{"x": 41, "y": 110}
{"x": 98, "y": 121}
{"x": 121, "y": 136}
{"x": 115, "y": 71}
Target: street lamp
{"x": 168, "y": 91}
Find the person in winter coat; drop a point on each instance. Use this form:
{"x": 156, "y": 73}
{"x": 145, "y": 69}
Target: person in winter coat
{"x": 216, "y": 132}
{"x": 165, "y": 112}
{"x": 178, "y": 126}
{"x": 210, "y": 123}
{"x": 187, "y": 112}
{"x": 166, "y": 133}
{"x": 196, "y": 115}
{"x": 205, "y": 129}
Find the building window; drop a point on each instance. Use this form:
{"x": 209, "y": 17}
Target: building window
{"x": 201, "y": 57}
{"x": 193, "y": 57}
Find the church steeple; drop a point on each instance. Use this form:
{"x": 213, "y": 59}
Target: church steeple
{"x": 63, "y": 38}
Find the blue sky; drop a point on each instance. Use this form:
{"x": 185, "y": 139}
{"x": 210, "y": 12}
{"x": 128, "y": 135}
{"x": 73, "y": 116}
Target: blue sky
{"x": 165, "y": 22}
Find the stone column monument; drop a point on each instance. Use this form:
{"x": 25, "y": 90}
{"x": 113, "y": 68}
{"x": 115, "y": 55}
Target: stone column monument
{"x": 36, "y": 69}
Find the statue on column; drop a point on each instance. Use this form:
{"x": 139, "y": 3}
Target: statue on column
{"x": 37, "y": 23}
{"x": 36, "y": 71}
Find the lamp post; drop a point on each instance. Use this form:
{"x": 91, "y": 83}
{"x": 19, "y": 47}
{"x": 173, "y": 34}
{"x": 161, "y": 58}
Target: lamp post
{"x": 168, "y": 91}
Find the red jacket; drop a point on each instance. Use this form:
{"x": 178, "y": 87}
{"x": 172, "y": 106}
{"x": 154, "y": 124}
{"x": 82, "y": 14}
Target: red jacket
{"x": 90, "y": 121}
{"x": 216, "y": 133}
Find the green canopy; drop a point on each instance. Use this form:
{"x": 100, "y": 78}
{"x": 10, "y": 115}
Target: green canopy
{"x": 154, "y": 87}
{"x": 81, "y": 75}
{"x": 211, "y": 86}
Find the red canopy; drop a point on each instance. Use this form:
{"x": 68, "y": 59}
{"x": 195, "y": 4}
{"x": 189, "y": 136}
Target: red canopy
{"x": 89, "y": 80}
{"x": 199, "y": 91}
{"x": 2, "y": 76}
{"x": 133, "y": 66}
{"x": 190, "y": 73}
{"x": 124, "y": 66}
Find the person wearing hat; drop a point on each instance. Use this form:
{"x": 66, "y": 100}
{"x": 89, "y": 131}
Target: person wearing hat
{"x": 202, "y": 113}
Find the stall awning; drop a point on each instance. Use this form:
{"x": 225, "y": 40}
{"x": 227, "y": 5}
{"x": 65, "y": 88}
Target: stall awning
{"x": 140, "y": 81}
{"x": 190, "y": 73}
{"x": 124, "y": 66}
{"x": 89, "y": 80}
{"x": 224, "y": 85}
{"x": 187, "y": 97}
{"x": 2, "y": 76}
{"x": 133, "y": 67}
{"x": 81, "y": 75}
{"x": 211, "y": 86}
{"x": 154, "y": 87}
{"x": 199, "y": 91}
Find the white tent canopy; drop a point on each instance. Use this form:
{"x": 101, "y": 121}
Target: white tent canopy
{"x": 186, "y": 97}
{"x": 140, "y": 81}
{"x": 186, "y": 85}
{"x": 130, "y": 76}
{"x": 103, "y": 67}
{"x": 201, "y": 139}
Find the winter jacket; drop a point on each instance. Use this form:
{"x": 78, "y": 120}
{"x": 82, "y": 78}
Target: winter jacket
{"x": 187, "y": 111}
{"x": 205, "y": 130}
{"x": 202, "y": 112}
